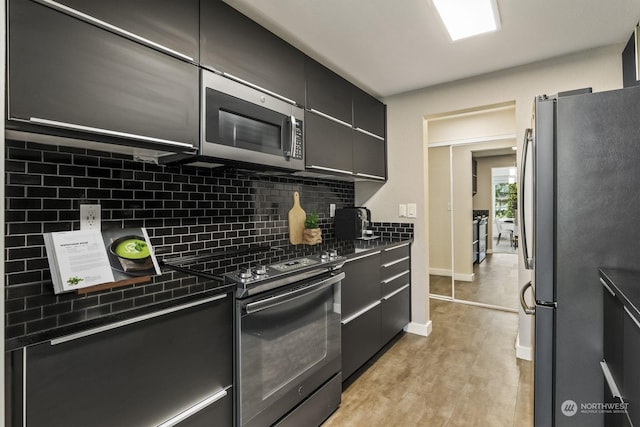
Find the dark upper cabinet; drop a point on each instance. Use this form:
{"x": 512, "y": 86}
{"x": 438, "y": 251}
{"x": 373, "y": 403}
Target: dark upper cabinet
{"x": 368, "y": 113}
{"x": 328, "y": 145}
{"x": 168, "y": 25}
{"x": 630, "y": 65}
{"x": 327, "y": 92}
{"x": 234, "y": 44}
{"x": 369, "y": 156}
{"x": 66, "y": 73}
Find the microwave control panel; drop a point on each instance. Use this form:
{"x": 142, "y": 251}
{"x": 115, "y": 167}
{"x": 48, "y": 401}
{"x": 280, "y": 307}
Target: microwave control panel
{"x": 296, "y": 144}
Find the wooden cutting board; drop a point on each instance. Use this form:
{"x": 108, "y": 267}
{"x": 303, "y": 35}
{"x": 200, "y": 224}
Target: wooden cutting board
{"x": 297, "y": 217}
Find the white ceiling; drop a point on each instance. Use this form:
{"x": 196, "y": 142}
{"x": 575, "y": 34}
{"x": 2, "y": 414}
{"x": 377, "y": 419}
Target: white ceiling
{"x": 393, "y": 46}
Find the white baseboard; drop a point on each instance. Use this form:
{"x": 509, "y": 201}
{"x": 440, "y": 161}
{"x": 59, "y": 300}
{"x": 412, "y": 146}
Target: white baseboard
{"x": 464, "y": 277}
{"x": 522, "y": 352}
{"x": 419, "y": 328}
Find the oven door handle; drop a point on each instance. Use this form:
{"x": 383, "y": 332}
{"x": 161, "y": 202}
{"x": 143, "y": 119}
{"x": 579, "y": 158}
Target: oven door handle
{"x": 276, "y": 300}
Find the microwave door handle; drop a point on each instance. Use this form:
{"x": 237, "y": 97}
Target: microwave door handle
{"x": 528, "y": 263}
{"x": 292, "y": 136}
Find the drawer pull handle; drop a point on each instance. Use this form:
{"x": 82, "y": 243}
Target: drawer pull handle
{"x": 194, "y": 409}
{"x": 133, "y": 320}
{"x": 362, "y": 256}
{"x": 389, "y": 264}
{"x": 361, "y": 312}
{"x": 367, "y": 175}
{"x": 391, "y": 279}
{"x": 397, "y": 247}
{"x": 322, "y": 168}
{"x": 366, "y": 132}
{"x": 392, "y": 294}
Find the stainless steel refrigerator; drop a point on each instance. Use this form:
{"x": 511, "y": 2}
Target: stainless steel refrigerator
{"x": 584, "y": 167}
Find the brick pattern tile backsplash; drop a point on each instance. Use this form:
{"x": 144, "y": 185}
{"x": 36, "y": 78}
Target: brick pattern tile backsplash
{"x": 186, "y": 210}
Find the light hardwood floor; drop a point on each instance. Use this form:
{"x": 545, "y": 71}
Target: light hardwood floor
{"x": 464, "y": 374}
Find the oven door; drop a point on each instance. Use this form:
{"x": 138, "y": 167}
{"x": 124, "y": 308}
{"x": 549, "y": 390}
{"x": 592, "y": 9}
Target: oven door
{"x": 288, "y": 346}
{"x": 246, "y": 125}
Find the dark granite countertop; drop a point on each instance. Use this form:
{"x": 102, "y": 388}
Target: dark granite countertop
{"x": 344, "y": 248}
{"x": 626, "y": 285}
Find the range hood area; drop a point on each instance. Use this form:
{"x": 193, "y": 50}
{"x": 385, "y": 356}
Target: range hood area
{"x": 169, "y": 90}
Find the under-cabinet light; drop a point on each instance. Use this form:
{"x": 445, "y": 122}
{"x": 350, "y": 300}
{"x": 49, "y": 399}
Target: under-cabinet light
{"x": 466, "y": 18}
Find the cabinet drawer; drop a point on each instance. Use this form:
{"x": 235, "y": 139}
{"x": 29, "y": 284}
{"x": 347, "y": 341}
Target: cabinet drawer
{"x": 393, "y": 268}
{"x": 360, "y": 340}
{"x": 395, "y": 253}
{"x": 394, "y": 283}
{"x": 396, "y": 314}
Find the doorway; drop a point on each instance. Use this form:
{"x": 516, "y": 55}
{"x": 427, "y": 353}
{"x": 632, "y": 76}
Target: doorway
{"x": 462, "y": 206}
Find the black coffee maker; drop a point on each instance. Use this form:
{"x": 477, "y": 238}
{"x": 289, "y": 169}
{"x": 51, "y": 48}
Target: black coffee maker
{"x": 353, "y": 223}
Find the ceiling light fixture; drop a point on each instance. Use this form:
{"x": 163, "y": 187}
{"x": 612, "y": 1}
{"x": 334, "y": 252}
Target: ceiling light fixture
{"x": 466, "y": 18}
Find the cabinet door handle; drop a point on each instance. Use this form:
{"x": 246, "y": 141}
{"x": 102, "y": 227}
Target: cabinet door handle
{"x": 133, "y": 320}
{"x": 88, "y": 18}
{"x": 396, "y": 247}
{"x": 195, "y": 408}
{"x": 526, "y": 307}
{"x": 609, "y": 378}
{"x": 328, "y": 117}
{"x": 607, "y": 287}
{"x": 632, "y": 316}
{"x": 260, "y": 88}
{"x": 366, "y": 175}
{"x": 373, "y": 135}
{"x": 109, "y": 132}
{"x": 330, "y": 169}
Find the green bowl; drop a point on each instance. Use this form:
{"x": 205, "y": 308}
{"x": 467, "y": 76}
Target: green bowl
{"x": 132, "y": 248}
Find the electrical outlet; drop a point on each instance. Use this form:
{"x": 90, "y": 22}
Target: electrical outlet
{"x": 89, "y": 217}
{"x": 412, "y": 210}
{"x": 332, "y": 210}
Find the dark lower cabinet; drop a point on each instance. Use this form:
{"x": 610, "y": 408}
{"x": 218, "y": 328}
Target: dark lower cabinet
{"x": 376, "y": 303}
{"x": 145, "y": 371}
{"x": 328, "y": 145}
{"x": 396, "y": 310}
{"x": 234, "y": 44}
{"x": 64, "y": 73}
{"x": 360, "y": 340}
{"x": 168, "y": 25}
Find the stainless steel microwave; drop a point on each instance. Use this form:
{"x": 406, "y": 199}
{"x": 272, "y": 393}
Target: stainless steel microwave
{"x": 246, "y": 125}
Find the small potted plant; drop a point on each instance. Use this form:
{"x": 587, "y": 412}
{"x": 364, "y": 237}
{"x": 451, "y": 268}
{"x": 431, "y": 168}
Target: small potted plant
{"x": 311, "y": 235}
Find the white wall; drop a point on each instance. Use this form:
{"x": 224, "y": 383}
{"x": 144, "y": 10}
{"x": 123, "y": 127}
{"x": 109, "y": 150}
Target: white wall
{"x": 600, "y": 69}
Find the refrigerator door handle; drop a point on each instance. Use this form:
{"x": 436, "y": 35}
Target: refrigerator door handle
{"x": 528, "y": 262}
{"x": 526, "y": 307}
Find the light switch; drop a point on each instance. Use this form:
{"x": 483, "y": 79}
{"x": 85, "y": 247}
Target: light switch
{"x": 402, "y": 210}
{"x": 332, "y": 210}
{"x": 412, "y": 210}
